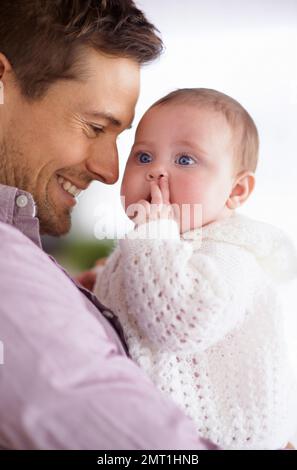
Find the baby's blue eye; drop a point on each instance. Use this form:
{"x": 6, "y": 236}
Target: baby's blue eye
{"x": 144, "y": 157}
{"x": 185, "y": 160}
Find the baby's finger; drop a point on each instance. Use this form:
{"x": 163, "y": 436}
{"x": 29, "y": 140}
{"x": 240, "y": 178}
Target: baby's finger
{"x": 164, "y": 186}
{"x": 145, "y": 204}
{"x": 156, "y": 193}
{"x": 140, "y": 207}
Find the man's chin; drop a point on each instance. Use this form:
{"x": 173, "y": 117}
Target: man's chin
{"x": 54, "y": 211}
{"x": 55, "y": 226}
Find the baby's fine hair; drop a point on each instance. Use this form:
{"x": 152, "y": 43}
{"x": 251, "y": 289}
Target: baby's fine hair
{"x": 246, "y": 138}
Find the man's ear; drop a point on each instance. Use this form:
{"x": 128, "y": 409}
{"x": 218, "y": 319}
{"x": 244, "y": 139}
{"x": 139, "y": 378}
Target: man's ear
{"x": 5, "y": 69}
{"x": 242, "y": 188}
{"x": 4, "y": 66}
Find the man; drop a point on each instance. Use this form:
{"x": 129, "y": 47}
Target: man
{"x": 70, "y": 77}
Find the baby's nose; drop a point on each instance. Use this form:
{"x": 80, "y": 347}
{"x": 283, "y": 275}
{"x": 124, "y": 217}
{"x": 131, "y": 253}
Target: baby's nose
{"x": 155, "y": 175}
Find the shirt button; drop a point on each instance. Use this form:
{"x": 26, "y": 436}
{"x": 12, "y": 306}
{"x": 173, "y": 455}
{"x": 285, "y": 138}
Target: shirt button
{"x": 107, "y": 314}
{"x": 21, "y": 201}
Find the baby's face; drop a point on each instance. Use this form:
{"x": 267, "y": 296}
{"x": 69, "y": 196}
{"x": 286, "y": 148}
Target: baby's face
{"x": 193, "y": 147}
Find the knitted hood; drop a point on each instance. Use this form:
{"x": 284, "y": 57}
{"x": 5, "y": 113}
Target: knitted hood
{"x": 272, "y": 248}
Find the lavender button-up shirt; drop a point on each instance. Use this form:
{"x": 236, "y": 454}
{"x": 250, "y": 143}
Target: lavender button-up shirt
{"x": 66, "y": 381}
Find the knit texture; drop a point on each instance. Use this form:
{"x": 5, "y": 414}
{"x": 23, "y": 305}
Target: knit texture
{"x": 202, "y": 316}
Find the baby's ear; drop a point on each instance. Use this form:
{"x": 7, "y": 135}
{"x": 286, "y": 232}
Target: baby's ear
{"x": 242, "y": 188}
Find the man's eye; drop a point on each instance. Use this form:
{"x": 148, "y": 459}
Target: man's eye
{"x": 185, "y": 160}
{"x": 96, "y": 129}
{"x": 144, "y": 157}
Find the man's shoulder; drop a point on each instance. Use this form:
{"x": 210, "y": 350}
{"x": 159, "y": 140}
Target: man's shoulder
{"x": 28, "y": 277}
{"x": 14, "y": 243}
{"x": 21, "y": 259}
{"x": 10, "y": 234}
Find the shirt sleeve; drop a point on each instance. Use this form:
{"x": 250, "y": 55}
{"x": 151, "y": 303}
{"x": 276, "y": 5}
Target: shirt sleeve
{"x": 183, "y": 298}
{"x": 63, "y": 384}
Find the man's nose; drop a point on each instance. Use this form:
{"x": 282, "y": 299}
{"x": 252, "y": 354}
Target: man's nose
{"x": 155, "y": 174}
{"x": 104, "y": 164}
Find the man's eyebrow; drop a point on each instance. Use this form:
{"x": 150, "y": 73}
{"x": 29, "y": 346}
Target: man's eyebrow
{"x": 109, "y": 117}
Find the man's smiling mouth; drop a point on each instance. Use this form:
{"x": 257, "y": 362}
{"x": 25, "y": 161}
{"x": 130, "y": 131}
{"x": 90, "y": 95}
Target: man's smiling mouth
{"x": 69, "y": 187}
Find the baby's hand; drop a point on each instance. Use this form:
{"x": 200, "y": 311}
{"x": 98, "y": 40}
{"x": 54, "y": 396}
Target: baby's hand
{"x": 88, "y": 278}
{"x": 158, "y": 208}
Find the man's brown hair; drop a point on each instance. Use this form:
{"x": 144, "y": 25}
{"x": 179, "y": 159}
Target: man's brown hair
{"x": 44, "y": 39}
{"x": 246, "y": 139}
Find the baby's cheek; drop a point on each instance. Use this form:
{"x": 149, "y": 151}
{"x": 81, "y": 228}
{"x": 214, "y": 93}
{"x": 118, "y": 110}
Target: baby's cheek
{"x": 186, "y": 192}
{"x": 190, "y": 201}
{"x": 130, "y": 193}
{"x": 127, "y": 183}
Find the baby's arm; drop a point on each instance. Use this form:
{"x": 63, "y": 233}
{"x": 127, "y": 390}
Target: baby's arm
{"x": 181, "y": 298}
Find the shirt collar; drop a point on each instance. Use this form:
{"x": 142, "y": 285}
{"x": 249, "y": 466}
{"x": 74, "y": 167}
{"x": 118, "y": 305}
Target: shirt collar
{"x": 17, "y": 208}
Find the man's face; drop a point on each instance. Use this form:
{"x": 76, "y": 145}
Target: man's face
{"x": 59, "y": 144}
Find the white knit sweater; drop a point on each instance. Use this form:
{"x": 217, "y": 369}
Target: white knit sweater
{"x": 205, "y": 321}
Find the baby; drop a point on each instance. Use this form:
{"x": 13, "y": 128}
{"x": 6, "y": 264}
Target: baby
{"x": 197, "y": 296}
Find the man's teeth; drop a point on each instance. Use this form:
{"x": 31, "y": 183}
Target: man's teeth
{"x": 69, "y": 187}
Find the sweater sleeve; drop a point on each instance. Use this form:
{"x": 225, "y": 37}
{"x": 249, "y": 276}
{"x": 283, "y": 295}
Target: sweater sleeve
{"x": 183, "y": 298}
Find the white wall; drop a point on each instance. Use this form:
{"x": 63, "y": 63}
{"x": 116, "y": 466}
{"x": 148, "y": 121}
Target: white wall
{"x": 247, "y": 50}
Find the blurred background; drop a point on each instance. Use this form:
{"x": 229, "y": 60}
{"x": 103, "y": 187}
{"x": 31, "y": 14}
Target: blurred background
{"x": 245, "y": 49}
